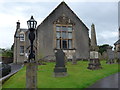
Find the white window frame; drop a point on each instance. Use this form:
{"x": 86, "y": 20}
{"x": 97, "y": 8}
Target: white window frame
{"x": 21, "y": 50}
{"x": 22, "y": 37}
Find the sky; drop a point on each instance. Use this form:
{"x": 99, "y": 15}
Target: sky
{"x": 103, "y": 13}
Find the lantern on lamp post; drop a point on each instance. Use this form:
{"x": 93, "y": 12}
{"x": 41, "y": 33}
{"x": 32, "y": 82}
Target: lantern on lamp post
{"x": 31, "y": 27}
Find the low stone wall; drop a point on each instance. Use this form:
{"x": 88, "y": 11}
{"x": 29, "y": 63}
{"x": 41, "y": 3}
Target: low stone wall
{"x": 7, "y": 60}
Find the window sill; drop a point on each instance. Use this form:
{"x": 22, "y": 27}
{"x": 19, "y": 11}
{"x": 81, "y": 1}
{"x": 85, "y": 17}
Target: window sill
{"x": 22, "y": 40}
{"x": 21, "y": 54}
{"x": 65, "y": 49}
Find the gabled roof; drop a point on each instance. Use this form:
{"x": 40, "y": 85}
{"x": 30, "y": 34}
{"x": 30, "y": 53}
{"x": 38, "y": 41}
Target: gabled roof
{"x": 64, "y": 4}
{"x": 118, "y": 42}
{"x": 21, "y": 29}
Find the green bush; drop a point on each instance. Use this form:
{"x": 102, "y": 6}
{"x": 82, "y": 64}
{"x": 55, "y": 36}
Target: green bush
{"x": 7, "y": 53}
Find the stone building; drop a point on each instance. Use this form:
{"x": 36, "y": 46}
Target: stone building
{"x": 117, "y": 47}
{"x": 20, "y": 44}
{"x": 117, "y": 43}
{"x": 62, "y": 29}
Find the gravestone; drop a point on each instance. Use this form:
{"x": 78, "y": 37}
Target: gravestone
{"x": 110, "y": 54}
{"x": 60, "y": 70}
{"x": 105, "y": 55}
{"x": 94, "y": 61}
{"x": 74, "y": 60}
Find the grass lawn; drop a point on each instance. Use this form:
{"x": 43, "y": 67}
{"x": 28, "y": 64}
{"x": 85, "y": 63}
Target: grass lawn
{"x": 78, "y": 76}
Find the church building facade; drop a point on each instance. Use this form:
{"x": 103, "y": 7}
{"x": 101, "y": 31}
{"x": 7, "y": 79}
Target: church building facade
{"x": 62, "y": 29}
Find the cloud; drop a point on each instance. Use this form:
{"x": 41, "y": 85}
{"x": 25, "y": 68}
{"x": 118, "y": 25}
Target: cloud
{"x": 58, "y": 1}
{"x": 103, "y": 14}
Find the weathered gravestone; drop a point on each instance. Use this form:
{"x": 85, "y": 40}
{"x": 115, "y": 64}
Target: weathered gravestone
{"x": 74, "y": 60}
{"x": 94, "y": 61}
{"x": 60, "y": 70}
{"x": 110, "y": 54}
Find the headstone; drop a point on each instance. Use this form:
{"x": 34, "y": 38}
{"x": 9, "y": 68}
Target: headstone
{"x": 66, "y": 60}
{"x": 94, "y": 61}
{"x": 74, "y": 60}
{"x": 110, "y": 54}
{"x": 60, "y": 70}
{"x": 105, "y": 55}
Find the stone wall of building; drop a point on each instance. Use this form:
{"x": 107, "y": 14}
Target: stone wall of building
{"x": 45, "y": 31}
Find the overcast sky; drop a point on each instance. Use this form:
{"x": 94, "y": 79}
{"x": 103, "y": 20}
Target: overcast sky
{"x": 104, "y": 14}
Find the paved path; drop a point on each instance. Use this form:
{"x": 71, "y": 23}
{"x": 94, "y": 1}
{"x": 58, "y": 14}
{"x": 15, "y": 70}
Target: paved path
{"x": 14, "y": 69}
{"x": 108, "y": 82}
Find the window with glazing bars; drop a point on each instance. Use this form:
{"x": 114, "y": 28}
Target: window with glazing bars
{"x": 21, "y": 49}
{"x": 22, "y": 38}
{"x": 64, "y": 37}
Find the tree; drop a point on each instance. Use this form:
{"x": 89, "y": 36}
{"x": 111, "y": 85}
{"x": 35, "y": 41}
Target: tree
{"x": 7, "y": 52}
{"x": 103, "y": 48}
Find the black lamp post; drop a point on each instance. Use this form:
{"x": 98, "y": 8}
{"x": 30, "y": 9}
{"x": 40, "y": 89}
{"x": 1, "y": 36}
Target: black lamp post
{"x": 31, "y": 66}
{"x": 31, "y": 27}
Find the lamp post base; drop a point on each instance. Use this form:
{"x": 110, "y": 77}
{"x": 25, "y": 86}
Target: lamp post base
{"x": 31, "y": 75}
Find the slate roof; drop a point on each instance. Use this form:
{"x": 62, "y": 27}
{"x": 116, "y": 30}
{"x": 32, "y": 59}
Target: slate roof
{"x": 21, "y": 29}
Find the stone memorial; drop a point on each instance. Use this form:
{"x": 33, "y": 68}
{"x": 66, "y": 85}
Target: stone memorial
{"x": 117, "y": 47}
{"x": 74, "y": 60}
{"x": 110, "y": 54}
{"x": 60, "y": 70}
{"x": 94, "y": 61}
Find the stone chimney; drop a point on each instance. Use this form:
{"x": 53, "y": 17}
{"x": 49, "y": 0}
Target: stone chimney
{"x": 18, "y": 25}
{"x": 93, "y": 38}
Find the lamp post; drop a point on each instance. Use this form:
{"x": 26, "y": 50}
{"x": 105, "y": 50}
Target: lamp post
{"x": 31, "y": 66}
